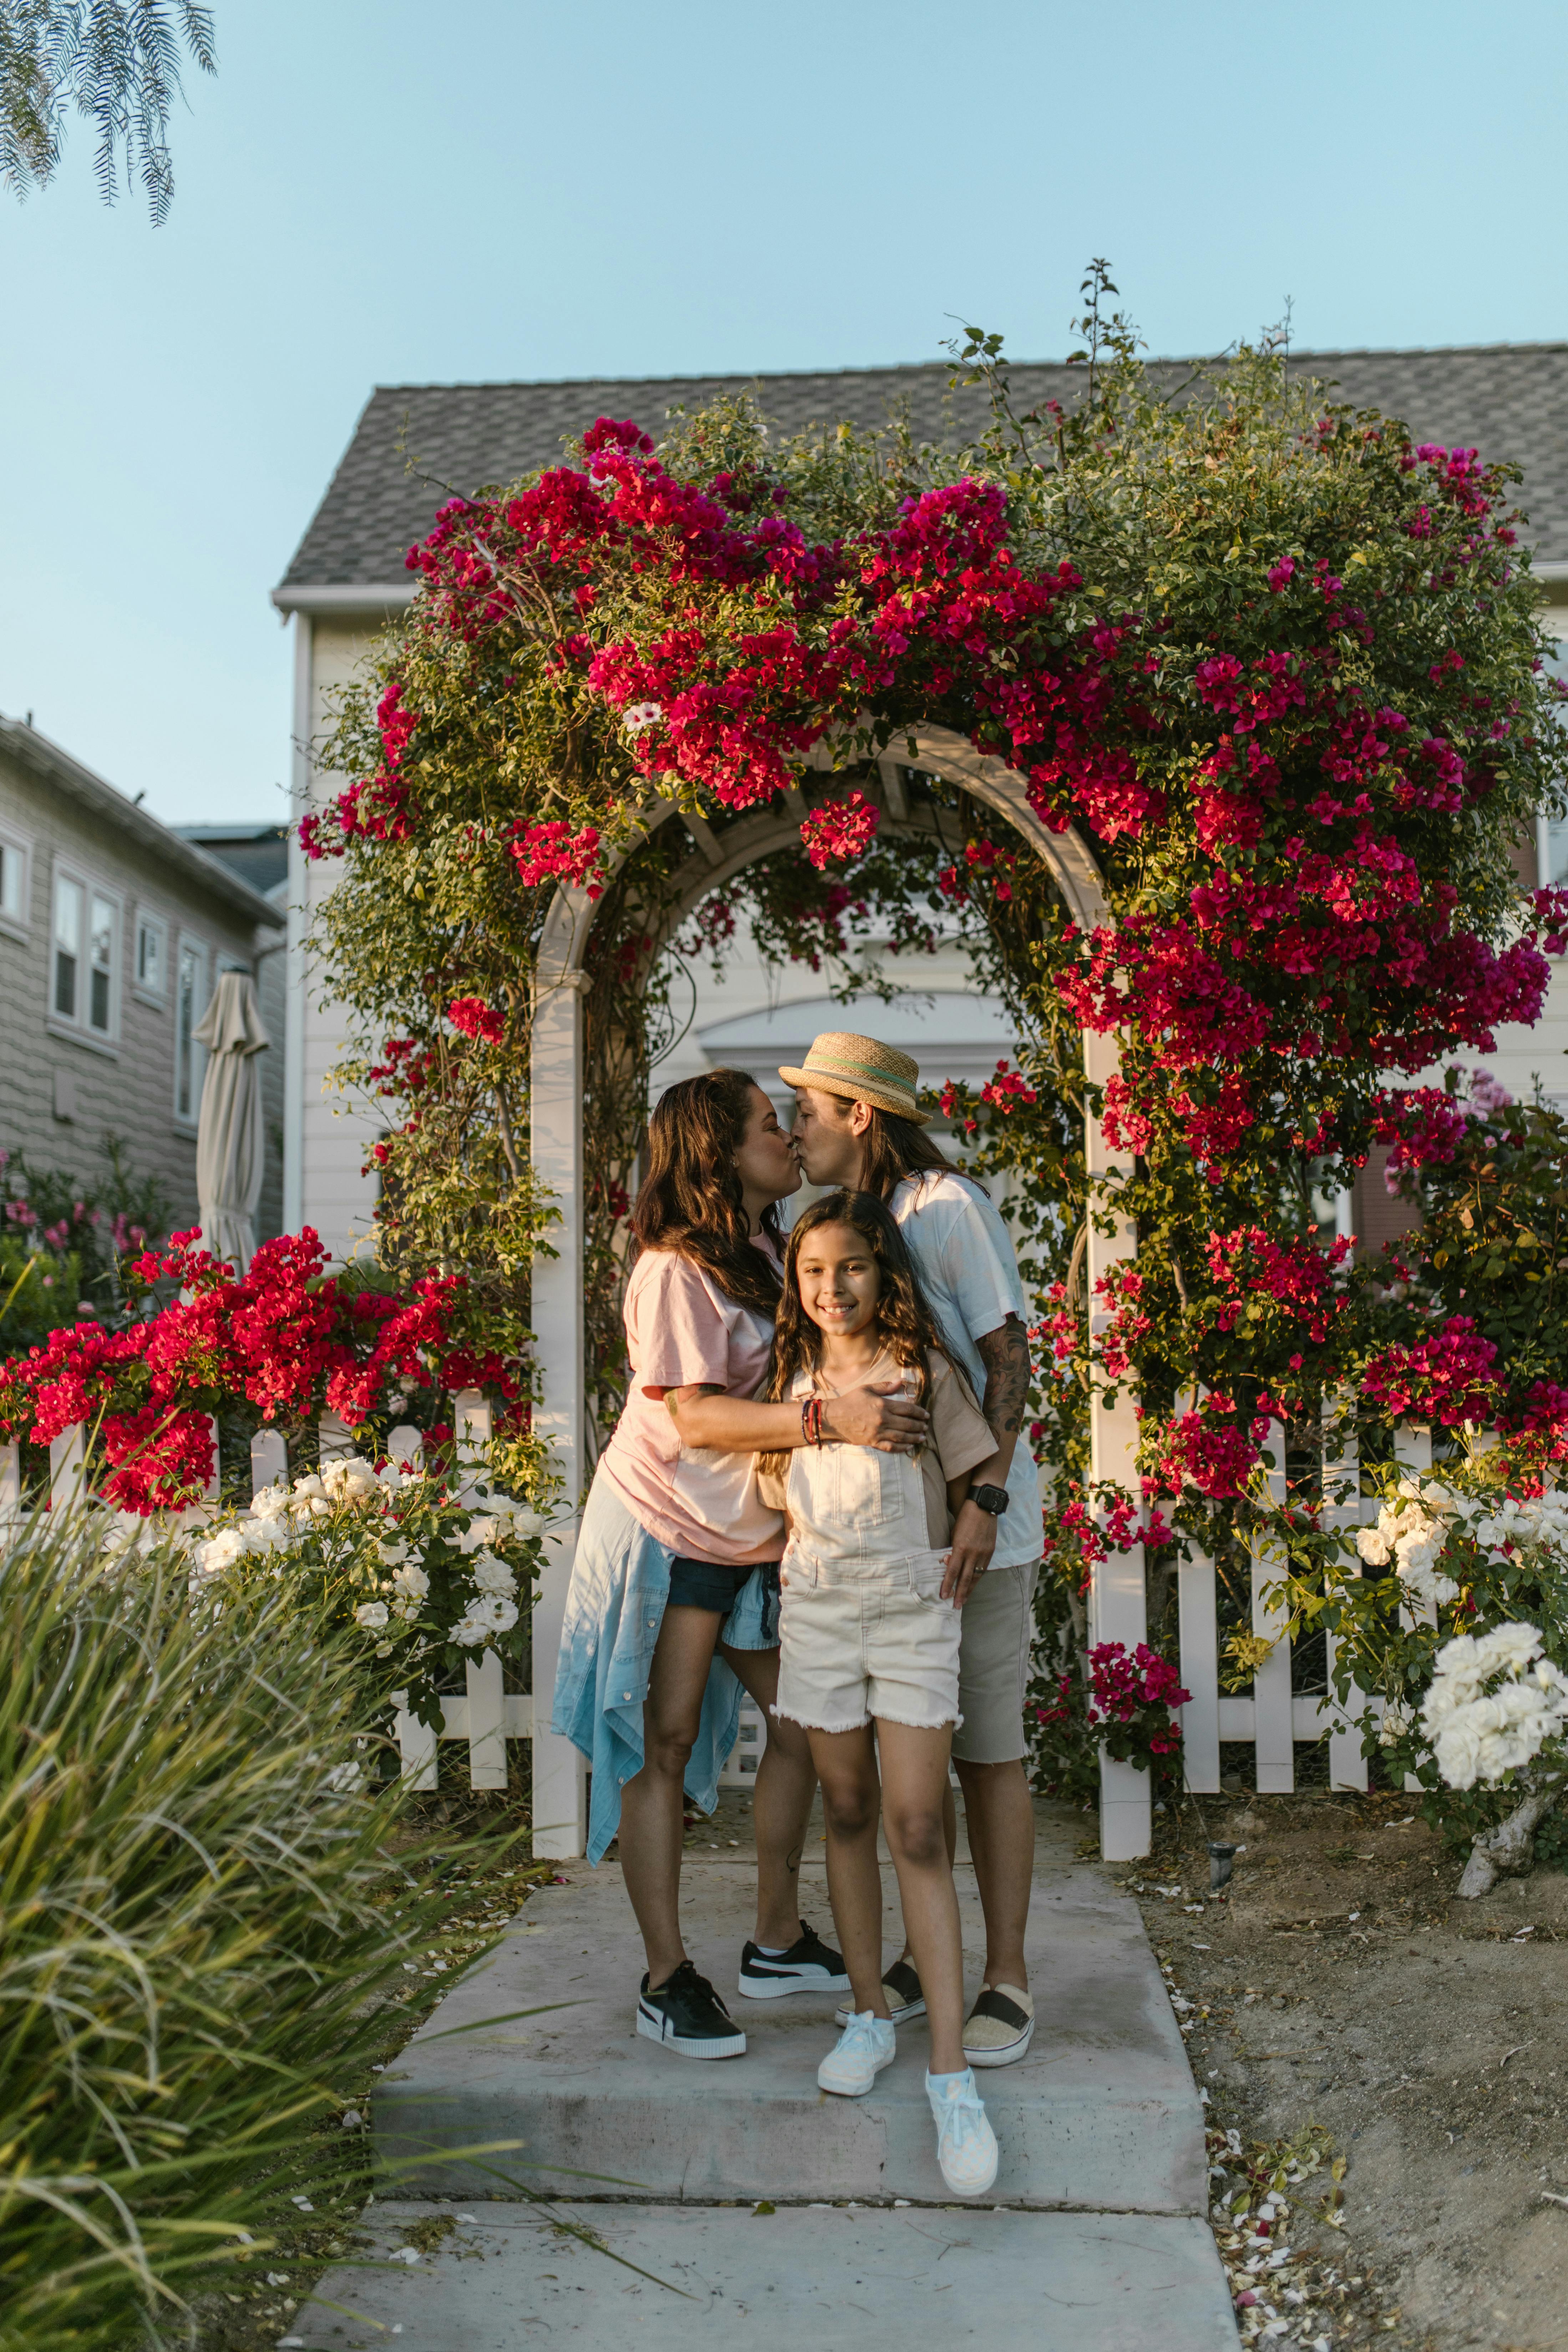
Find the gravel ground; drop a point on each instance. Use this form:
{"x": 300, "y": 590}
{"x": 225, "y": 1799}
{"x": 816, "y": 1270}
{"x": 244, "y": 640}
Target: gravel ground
{"x": 1345, "y": 2005}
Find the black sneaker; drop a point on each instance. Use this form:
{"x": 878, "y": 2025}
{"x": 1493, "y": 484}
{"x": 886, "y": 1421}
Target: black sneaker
{"x": 905, "y": 1998}
{"x": 808, "y": 1966}
{"x": 687, "y": 2015}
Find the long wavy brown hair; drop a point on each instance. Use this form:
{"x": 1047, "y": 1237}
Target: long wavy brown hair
{"x": 905, "y": 1324}
{"x": 691, "y": 1199}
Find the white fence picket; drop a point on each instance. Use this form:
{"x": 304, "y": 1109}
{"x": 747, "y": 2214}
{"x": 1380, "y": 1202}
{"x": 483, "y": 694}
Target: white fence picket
{"x": 486, "y": 1726}
{"x": 10, "y": 1481}
{"x": 1198, "y": 1619}
{"x": 1273, "y": 1730}
{"x": 335, "y": 1439}
{"x": 475, "y": 1427}
{"x": 405, "y": 1443}
{"x": 1342, "y": 1474}
{"x": 269, "y": 1460}
{"x": 67, "y": 1468}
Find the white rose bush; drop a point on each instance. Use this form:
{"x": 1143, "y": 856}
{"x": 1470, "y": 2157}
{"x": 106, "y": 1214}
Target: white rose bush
{"x": 428, "y": 1576}
{"x": 1456, "y": 1619}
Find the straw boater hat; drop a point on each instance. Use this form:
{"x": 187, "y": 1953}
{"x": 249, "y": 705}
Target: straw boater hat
{"x": 861, "y": 1069}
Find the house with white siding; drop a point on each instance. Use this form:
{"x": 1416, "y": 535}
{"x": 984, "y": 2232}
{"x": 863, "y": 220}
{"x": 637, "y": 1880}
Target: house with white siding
{"x": 347, "y": 578}
{"x": 114, "y": 930}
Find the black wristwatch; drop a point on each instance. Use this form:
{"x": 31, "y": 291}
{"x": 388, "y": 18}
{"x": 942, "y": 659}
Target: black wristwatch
{"x": 990, "y": 1499}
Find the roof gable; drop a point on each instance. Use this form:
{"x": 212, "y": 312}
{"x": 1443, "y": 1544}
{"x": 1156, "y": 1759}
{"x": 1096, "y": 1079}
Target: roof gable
{"x": 416, "y": 444}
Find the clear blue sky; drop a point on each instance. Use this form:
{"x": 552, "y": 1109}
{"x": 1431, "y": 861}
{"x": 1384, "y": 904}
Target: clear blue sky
{"x": 377, "y": 191}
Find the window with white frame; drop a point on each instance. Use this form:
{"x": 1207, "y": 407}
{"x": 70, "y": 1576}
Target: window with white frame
{"x": 15, "y": 861}
{"x": 190, "y": 1003}
{"x": 152, "y": 955}
{"x": 82, "y": 954}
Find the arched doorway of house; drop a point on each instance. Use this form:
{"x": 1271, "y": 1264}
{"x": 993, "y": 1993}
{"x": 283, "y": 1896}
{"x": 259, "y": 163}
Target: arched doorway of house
{"x": 1116, "y": 1612}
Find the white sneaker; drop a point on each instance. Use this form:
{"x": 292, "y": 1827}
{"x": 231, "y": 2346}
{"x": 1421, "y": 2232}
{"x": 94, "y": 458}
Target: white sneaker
{"x": 966, "y": 2142}
{"x": 867, "y": 2044}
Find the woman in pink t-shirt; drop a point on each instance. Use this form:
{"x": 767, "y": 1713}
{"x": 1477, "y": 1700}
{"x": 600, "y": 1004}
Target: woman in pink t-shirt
{"x": 673, "y": 1602}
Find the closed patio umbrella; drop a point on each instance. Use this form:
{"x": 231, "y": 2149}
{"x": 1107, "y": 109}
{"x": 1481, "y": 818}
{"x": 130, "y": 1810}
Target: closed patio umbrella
{"x": 229, "y": 1134}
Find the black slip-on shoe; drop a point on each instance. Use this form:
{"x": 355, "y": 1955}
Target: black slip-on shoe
{"x": 1000, "y": 2027}
{"x": 905, "y": 1998}
{"x": 808, "y": 1966}
{"x": 687, "y": 2016}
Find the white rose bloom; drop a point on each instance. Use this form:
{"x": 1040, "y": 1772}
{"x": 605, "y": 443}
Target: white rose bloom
{"x": 1396, "y": 1722}
{"x": 529, "y": 1523}
{"x": 349, "y": 1478}
{"x": 468, "y": 1632}
{"x": 494, "y": 1611}
{"x": 411, "y": 1578}
{"x": 372, "y": 1615}
{"x": 487, "y": 1529}
{"x": 306, "y": 1485}
{"x": 392, "y": 1552}
{"x": 493, "y": 1575}
{"x": 1373, "y": 1546}
{"x": 405, "y": 1608}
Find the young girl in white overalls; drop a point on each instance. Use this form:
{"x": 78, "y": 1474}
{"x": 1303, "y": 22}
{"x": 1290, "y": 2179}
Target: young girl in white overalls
{"x": 868, "y": 1658}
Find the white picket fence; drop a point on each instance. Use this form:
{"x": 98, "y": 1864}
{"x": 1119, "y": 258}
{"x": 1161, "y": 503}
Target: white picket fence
{"x": 486, "y": 1715}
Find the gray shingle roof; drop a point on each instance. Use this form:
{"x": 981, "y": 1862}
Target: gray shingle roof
{"x": 415, "y": 444}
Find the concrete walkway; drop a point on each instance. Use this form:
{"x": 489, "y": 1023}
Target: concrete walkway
{"x": 1100, "y": 2246}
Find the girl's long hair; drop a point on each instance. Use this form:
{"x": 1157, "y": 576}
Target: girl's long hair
{"x": 691, "y": 1199}
{"x": 895, "y": 1148}
{"x": 905, "y": 1323}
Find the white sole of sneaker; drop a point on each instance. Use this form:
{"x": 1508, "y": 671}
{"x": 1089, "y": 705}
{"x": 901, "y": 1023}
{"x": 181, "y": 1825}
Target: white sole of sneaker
{"x": 1008, "y": 2055}
{"x": 657, "y": 2029}
{"x": 770, "y": 1988}
{"x": 977, "y": 2188}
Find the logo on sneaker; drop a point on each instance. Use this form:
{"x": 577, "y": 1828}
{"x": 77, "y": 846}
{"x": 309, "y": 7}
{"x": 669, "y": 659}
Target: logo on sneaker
{"x": 808, "y": 1966}
{"x": 685, "y": 2015}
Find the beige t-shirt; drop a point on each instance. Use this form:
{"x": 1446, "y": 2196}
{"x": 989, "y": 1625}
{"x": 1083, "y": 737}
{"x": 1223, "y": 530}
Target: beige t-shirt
{"x": 845, "y": 1499}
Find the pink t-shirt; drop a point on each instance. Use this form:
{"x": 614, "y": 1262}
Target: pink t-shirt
{"x": 682, "y": 1331}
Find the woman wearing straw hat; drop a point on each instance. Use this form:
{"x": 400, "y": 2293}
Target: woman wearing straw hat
{"x": 673, "y": 1604}
{"x": 858, "y": 1123}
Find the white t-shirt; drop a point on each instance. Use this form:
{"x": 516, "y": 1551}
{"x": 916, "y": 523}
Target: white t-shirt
{"x": 965, "y": 1256}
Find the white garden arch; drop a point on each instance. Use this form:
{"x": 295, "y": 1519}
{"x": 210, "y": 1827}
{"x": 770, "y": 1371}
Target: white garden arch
{"x": 1117, "y": 1598}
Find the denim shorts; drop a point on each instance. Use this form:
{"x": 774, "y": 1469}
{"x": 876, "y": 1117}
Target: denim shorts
{"x": 706, "y": 1584}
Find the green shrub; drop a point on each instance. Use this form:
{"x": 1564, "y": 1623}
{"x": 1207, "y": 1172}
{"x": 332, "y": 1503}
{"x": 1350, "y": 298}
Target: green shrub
{"x": 197, "y": 1935}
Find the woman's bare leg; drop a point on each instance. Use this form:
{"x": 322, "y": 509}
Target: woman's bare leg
{"x": 654, "y": 1803}
{"x": 781, "y": 1802}
{"x": 914, "y": 1784}
{"x": 845, "y": 1764}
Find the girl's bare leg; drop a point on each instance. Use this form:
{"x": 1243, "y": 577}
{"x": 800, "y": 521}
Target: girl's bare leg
{"x": 914, "y": 1784}
{"x": 653, "y": 1804}
{"x": 845, "y": 1764}
{"x": 781, "y": 1802}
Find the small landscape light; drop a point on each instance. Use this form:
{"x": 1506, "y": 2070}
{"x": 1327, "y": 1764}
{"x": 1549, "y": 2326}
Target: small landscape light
{"x": 1222, "y": 1859}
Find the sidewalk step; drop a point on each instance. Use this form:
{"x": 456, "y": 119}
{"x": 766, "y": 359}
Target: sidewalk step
{"x": 839, "y": 2280}
{"x": 1102, "y": 2115}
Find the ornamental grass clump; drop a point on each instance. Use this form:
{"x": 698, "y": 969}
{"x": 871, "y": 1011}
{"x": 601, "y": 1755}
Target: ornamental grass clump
{"x": 193, "y": 1951}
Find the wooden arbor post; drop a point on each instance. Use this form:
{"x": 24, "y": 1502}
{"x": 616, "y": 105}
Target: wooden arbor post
{"x": 1116, "y": 1612}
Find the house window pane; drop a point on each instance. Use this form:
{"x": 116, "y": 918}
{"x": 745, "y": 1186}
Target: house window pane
{"x": 10, "y": 881}
{"x": 69, "y": 917}
{"x": 150, "y": 958}
{"x": 102, "y": 964}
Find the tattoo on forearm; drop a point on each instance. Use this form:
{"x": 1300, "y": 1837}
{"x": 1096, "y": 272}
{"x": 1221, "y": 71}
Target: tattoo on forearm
{"x": 1005, "y": 1356}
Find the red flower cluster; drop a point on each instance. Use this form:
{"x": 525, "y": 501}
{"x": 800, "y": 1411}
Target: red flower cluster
{"x": 1211, "y": 1450}
{"x": 1447, "y": 1378}
{"x": 1121, "y": 1686}
{"x": 553, "y": 853}
{"x": 475, "y": 1018}
{"x": 1298, "y": 1275}
{"x": 380, "y": 807}
{"x": 839, "y": 831}
{"x": 285, "y": 1335}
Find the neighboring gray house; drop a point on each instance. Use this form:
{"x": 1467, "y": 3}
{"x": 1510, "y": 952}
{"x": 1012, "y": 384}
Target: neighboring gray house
{"x": 414, "y": 444}
{"x": 113, "y": 931}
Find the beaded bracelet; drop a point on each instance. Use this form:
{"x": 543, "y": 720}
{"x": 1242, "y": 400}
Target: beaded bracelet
{"x": 811, "y": 1421}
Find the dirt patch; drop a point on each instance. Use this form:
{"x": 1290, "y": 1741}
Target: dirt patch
{"x": 1338, "y": 1983}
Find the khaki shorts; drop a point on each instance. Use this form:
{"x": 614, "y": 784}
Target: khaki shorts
{"x": 866, "y": 1638}
{"x": 997, "y": 1626}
